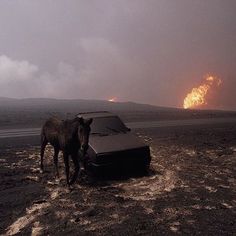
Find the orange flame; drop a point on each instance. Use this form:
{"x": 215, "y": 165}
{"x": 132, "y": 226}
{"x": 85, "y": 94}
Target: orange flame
{"x": 112, "y": 99}
{"x": 197, "y": 97}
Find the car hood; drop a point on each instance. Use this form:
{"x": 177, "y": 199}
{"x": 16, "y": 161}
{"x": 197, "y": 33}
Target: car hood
{"x": 113, "y": 143}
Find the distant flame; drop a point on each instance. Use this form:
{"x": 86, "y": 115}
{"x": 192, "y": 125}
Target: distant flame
{"x": 112, "y": 99}
{"x": 197, "y": 97}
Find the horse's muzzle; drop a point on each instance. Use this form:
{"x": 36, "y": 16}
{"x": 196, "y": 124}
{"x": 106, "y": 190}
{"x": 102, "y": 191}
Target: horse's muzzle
{"x": 83, "y": 150}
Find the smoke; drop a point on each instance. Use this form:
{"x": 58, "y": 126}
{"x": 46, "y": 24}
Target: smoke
{"x": 223, "y": 97}
{"x": 103, "y": 63}
{"x": 108, "y": 71}
{"x": 145, "y": 51}
{"x": 11, "y": 70}
{"x": 15, "y": 76}
{"x": 105, "y": 71}
{"x": 20, "y": 78}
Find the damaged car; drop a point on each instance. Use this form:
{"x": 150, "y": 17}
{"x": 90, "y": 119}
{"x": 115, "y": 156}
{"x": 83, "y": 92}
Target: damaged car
{"x": 112, "y": 145}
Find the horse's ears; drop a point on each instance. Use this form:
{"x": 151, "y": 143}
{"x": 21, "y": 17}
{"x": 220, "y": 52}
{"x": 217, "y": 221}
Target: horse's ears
{"x": 89, "y": 122}
{"x": 80, "y": 120}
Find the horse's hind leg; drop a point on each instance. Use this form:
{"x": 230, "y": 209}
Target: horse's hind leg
{"x": 77, "y": 167}
{"x": 55, "y": 158}
{"x": 67, "y": 167}
{"x": 43, "y": 146}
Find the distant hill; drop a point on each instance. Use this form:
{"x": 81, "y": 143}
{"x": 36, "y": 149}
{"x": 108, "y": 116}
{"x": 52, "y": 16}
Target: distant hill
{"x": 32, "y": 112}
{"x": 73, "y": 105}
{"x": 2, "y": 99}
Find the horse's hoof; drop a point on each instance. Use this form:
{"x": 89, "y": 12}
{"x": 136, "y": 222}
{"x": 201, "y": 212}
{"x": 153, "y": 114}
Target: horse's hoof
{"x": 82, "y": 171}
{"x": 57, "y": 177}
{"x": 69, "y": 189}
{"x": 71, "y": 182}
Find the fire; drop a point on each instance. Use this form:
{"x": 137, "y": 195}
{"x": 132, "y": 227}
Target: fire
{"x": 197, "y": 97}
{"x": 112, "y": 99}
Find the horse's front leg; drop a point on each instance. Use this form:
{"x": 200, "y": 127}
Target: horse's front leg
{"x": 75, "y": 160}
{"x": 55, "y": 158}
{"x": 82, "y": 160}
{"x": 67, "y": 167}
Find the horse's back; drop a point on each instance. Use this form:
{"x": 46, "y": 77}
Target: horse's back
{"x": 51, "y": 130}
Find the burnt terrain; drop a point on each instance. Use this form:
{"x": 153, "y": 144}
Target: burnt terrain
{"x": 190, "y": 189}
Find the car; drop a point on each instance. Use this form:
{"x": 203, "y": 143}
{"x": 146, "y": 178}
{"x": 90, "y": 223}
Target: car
{"x": 113, "y": 146}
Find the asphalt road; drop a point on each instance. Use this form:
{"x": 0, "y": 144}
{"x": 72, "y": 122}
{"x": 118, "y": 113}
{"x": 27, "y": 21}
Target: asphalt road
{"x": 29, "y": 132}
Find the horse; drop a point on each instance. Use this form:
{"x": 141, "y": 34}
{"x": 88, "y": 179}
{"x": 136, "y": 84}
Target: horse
{"x": 69, "y": 136}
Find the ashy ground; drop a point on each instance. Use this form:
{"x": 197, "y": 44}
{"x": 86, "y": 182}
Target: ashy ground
{"x": 190, "y": 189}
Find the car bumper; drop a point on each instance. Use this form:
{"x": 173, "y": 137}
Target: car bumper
{"x": 122, "y": 160}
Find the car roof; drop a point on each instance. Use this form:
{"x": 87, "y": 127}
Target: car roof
{"x": 95, "y": 114}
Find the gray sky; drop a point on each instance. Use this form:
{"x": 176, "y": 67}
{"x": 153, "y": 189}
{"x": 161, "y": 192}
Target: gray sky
{"x": 149, "y": 51}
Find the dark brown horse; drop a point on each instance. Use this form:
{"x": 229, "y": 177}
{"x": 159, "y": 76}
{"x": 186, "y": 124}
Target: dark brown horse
{"x": 69, "y": 136}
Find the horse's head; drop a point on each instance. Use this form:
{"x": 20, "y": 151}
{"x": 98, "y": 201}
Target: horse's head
{"x": 83, "y": 134}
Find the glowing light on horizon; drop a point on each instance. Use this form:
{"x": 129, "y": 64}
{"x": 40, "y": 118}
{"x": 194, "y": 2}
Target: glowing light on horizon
{"x": 113, "y": 99}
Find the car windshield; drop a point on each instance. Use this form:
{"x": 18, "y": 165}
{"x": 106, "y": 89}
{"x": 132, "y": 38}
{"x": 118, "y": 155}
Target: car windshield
{"x": 108, "y": 125}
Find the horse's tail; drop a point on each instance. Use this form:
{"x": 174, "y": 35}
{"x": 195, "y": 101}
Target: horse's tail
{"x": 42, "y": 136}
{"x": 43, "y": 145}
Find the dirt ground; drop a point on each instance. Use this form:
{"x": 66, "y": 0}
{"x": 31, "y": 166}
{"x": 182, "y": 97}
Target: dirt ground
{"x": 190, "y": 189}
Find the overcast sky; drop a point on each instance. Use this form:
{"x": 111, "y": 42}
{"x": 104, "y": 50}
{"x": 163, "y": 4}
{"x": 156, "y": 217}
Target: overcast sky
{"x": 149, "y": 51}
